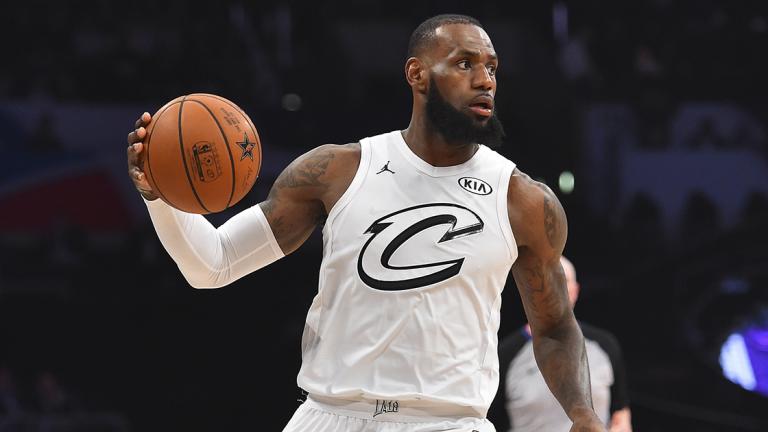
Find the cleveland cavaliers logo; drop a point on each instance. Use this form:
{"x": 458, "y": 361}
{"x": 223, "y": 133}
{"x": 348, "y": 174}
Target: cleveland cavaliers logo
{"x": 412, "y": 232}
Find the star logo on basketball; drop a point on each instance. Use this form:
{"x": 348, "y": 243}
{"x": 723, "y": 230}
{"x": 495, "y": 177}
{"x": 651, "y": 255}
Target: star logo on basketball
{"x": 191, "y": 159}
{"x": 246, "y": 146}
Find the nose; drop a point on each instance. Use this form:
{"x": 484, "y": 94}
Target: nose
{"x": 482, "y": 79}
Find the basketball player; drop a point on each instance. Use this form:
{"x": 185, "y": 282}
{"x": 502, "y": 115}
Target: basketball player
{"x": 421, "y": 227}
{"x": 525, "y": 404}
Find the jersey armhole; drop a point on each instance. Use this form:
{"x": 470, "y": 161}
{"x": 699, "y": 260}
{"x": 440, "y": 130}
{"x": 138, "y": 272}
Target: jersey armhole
{"x": 503, "y": 210}
{"x": 357, "y": 180}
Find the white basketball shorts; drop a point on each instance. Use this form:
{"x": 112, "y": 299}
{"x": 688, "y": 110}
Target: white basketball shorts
{"x": 318, "y": 414}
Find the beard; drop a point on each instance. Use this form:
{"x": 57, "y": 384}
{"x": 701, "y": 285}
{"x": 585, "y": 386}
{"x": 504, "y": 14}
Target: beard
{"x": 459, "y": 128}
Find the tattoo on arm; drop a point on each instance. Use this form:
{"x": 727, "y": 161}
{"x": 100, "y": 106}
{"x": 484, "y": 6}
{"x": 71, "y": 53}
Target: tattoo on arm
{"x": 275, "y": 218}
{"x": 306, "y": 173}
{"x": 553, "y": 217}
{"x": 294, "y": 205}
{"x": 550, "y": 224}
{"x": 545, "y": 301}
{"x": 558, "y": 343}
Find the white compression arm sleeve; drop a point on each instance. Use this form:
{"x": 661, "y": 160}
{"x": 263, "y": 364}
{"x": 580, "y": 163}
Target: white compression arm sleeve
{"x": 211, "y": 257}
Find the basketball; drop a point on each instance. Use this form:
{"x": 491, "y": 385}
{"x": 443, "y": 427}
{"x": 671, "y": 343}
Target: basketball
{"x": 202, "y": 153}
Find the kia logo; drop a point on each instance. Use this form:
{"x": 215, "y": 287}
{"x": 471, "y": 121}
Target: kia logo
{"x": 474, "y": 185}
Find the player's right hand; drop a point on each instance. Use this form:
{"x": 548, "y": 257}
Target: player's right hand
{"x": 136, "y": 158}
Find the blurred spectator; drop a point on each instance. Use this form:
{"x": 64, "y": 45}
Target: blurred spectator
{"x": 641, "y": 233}
{"x": 755, "y": 211}
{"x": 700, "y": 220}
{"x": 52, "y": 397}
{"x": 706, "y": 136}
{"x": 575, "y": 59}
{"x": 9, "y": 401}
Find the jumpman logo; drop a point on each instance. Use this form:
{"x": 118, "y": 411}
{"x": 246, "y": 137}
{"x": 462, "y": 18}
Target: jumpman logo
{"x": 385, "y": 168}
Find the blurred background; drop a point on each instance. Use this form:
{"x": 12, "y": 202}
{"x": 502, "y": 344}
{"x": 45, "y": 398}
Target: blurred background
{"x": 648, "y": 119}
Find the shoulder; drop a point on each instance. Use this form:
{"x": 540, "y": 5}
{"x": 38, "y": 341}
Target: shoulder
{"x": 322, "y": 165}
{"x": 526, "y": 193}
{"x": 335, "y": 154}
{"x": 328, "y": 170}
{"x": 350, "y": 149}
{"x": 529, "y": 201}
{"x": 343, "y": 161}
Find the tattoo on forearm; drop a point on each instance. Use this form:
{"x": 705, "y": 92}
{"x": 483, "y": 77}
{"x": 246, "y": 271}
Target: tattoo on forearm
{"x": 560, "y": 351}
{"x": 545, "y": 301}
{"x": 563, "y": 362}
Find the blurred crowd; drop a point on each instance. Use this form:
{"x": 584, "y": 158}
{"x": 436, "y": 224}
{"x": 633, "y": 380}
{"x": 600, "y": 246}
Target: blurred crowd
{"x": 109, "y": 52}
{"x": 46, "y": 405}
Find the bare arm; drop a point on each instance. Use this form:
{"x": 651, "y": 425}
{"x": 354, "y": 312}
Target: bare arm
{"x": 306, "y": 190}
{"x": 210, "y": 257}
{"x": 540, "y": 227}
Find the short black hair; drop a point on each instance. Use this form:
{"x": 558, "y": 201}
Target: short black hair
{"x": 425, "y": 32}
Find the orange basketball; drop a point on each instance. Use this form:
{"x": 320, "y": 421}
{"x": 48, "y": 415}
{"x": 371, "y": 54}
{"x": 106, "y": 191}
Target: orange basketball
{"x": 202, "y": 153}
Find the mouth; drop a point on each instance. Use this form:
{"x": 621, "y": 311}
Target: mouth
{"x": 482, "y": 106}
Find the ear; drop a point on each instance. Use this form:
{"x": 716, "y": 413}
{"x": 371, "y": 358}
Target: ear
{"x": 416, "y": 74}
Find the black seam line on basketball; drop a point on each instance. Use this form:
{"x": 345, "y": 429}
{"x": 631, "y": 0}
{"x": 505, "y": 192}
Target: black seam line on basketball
{"x": 149, "y": 138}
{"x": 250, "y": 123}
{"x": 226, "y": 143}
{"x": 184, "y": 158}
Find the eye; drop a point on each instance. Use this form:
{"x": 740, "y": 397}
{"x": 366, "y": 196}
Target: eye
{"x": 465, "y": 64}
{"x": 492, "y": 70}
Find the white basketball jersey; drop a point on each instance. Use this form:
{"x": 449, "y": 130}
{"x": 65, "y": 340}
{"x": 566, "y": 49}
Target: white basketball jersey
{"x": 415, "y": 258}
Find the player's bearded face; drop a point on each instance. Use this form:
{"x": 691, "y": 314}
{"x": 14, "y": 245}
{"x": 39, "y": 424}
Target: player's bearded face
{"x": 459, "y": 127}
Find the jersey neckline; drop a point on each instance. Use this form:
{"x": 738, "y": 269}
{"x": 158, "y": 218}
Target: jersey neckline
{"x": 436, "y": 171}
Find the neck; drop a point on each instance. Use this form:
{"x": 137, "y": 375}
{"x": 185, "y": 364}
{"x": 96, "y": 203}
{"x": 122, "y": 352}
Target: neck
{"x": 430, "y": 145}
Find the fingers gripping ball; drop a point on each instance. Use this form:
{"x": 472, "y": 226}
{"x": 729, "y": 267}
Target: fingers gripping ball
{"x": 203, "y": 153}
